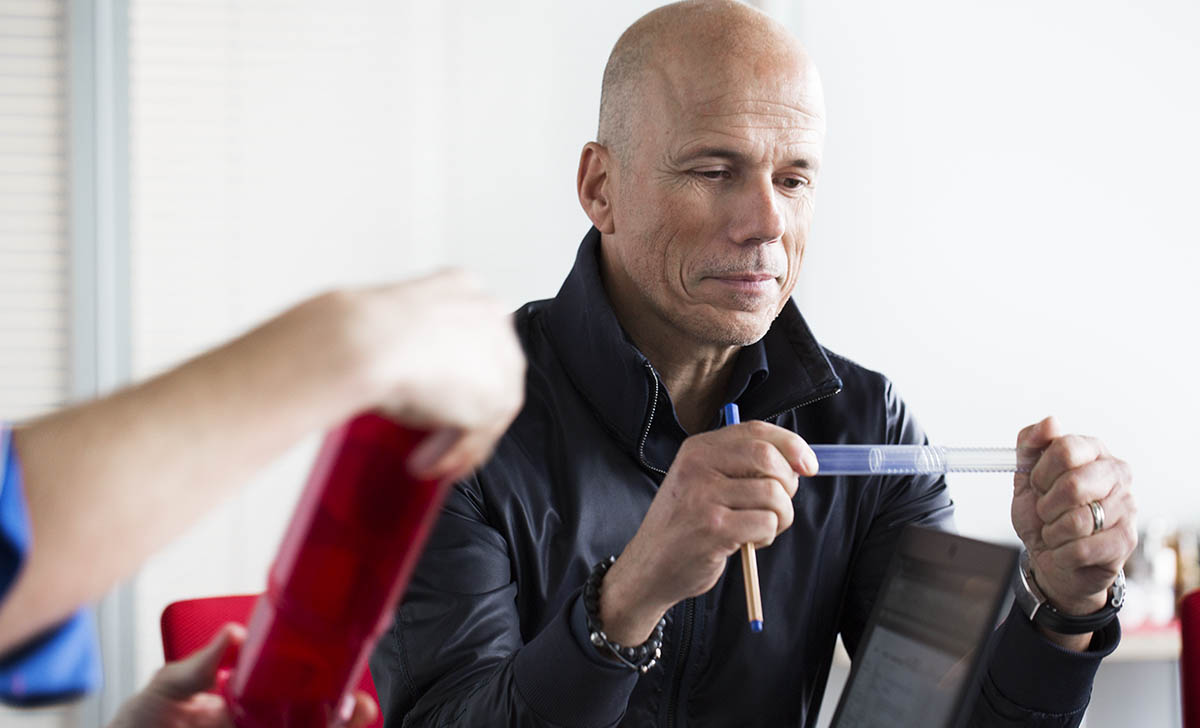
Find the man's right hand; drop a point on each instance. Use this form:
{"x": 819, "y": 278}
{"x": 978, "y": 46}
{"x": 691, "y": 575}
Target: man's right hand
{"x": 726, "y": 488}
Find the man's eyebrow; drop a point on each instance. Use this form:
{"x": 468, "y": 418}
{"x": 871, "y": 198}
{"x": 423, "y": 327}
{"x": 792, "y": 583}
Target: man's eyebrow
{"x": 735, "y": 156}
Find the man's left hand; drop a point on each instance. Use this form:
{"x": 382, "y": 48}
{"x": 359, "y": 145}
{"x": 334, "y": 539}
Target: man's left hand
{"x": 1073, "y": 563}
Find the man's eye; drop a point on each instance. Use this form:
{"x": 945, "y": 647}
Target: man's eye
{"x": 793, "y": 183}
{"x": 713, "y": 174}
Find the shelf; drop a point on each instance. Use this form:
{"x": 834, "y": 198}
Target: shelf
{"x": 1149, "y": 644}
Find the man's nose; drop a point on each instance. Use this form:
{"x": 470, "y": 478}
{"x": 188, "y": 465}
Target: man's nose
{"x": 758, "y": 215}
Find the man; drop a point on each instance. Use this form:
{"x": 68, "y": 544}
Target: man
{"x": 87, "y": 493}
{"x": 701, "y": 191}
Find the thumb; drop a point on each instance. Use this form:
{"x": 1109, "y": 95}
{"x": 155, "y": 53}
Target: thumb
{"x": 198, "y": 672}
{"x": 1030, "y": 443}
{"x": 1038, "y": 436}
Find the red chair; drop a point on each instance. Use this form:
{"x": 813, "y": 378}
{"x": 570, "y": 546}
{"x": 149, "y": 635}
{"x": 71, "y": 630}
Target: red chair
{"x": 189, "y": 624}
{"x": 1189, "y": 659}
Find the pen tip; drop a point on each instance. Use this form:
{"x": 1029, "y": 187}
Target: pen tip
{"x": 756, "y": 625}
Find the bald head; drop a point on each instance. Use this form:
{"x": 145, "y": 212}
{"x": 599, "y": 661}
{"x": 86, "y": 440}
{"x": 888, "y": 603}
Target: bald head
{"x": 685, "y": 42}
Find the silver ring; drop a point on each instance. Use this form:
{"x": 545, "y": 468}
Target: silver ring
{"x": 1097, "y": 516}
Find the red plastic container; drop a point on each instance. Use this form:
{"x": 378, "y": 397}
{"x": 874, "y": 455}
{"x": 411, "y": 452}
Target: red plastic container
{"x": 352, "y": 544}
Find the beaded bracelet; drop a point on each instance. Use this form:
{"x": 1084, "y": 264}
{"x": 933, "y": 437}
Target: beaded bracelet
{"x": 640, "y": 658}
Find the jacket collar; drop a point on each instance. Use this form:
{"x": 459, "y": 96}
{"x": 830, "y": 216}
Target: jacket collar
{"x": 787, "y": 368}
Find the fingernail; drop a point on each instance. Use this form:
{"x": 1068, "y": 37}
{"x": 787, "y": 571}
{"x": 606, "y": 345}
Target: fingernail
{"x": 810, "y": 462}
{"x": 426, "y": 455}
{"x": 346, "y": 709}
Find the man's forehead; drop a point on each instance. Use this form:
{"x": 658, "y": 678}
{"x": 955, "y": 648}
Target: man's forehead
{"x": 740, "y": 109}
{"x": 783, "y": 115}
{"x": 715, "y": 86}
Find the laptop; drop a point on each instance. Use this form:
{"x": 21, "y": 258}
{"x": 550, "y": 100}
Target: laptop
{"x": 925, "y": 646}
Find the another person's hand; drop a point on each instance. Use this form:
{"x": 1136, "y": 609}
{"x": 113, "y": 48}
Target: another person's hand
{"x": 444, "y": 355}
{"x": 1074, "y": 565}
{"x": 726, "y": 488}
{"x": 179, "y": 695}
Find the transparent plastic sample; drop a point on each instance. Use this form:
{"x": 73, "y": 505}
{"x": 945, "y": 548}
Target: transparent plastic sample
{"x": 919, "y": 459}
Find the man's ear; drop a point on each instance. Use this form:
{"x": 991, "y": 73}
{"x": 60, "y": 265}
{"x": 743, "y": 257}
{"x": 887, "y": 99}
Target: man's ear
{"x": 594, "y": 183}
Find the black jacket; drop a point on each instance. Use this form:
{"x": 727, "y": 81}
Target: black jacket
{"x": 492, "y": 630}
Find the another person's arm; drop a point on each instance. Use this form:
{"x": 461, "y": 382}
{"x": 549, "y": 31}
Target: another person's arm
{"x": 109, "y": 482}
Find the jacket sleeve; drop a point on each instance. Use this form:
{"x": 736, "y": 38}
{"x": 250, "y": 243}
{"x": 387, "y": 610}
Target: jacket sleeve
{"x": 1029, "y": 681}
{"x": 456, "y": 655}
{"x": 63, "y": 662}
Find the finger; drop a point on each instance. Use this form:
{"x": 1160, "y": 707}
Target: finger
{"x": 357, "y": 711}
{"x": 424, "y": 458}
{"x": 1030, "y": 443}
{"x": 1063, "y": 454}
{"x": 796, "y": 453}
{"x": 736, "y": 527}
{"x": 759, "y": 494}
{"x": 1040, "y": 434}
{"x": 467, "y": 454}
{"x": 743, "y": 456}
{"x": 1081, "y": 485}
{"x": 198, "y": 672}
{"x": 1107, "y": 549}
{"x": 1078, "y": 522}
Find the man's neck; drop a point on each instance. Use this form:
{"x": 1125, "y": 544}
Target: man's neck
{"x": 696, "y": 380}
{"x": 695, "y": 373}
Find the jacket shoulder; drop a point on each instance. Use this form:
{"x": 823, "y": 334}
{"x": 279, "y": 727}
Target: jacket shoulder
{"x": 522, "y": 445}
{"x": 863, "y": 385}
{"x": 873, "y": 395}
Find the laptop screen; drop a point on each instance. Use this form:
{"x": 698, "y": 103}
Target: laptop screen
{"x": 921, "y": 646}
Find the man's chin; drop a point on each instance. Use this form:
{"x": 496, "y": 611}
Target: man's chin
{"x": 740, "y": 329}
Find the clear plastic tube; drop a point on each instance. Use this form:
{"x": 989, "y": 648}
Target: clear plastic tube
{"x": 919, "y": 460}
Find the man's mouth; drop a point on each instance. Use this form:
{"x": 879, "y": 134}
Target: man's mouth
{"x": 747, "y": 283}
{"x": 746, "y": 277}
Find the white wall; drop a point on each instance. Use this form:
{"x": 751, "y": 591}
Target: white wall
{"x": 1006, "y": 223}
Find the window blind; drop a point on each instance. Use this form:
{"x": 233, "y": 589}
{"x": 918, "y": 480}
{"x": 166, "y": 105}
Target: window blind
{"x": 34, "y": 273}
{"x": 33, "y": 236}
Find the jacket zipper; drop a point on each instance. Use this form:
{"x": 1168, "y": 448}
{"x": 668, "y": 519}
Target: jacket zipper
{"x": 685, "y": 647}
{"x": 805, "y": 403}
{"x": 689, "y": 605}
{"x": 650, "y": 422}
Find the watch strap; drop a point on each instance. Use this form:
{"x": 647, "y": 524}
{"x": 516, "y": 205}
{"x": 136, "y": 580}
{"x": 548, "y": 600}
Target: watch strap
{"x": 1037, "y": 608}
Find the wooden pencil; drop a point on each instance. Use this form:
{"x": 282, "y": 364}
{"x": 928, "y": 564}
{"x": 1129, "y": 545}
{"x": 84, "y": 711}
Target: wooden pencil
{"x": 754, "y": 608}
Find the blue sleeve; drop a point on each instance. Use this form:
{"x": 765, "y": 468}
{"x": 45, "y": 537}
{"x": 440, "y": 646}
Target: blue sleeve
{"x": 64, "y": 661}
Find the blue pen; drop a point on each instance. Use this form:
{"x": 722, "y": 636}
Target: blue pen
{"x": 749, "y": 560}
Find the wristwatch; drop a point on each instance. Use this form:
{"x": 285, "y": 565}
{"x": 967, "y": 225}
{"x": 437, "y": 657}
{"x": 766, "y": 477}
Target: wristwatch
{"x": 1033, "y": 603}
